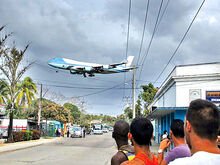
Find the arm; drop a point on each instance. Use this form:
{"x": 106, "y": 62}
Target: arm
{"x": 118, "y": 158}
{"x": 163, "y": 145}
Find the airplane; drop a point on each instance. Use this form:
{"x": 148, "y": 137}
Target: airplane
{"x": 84, "y": 68}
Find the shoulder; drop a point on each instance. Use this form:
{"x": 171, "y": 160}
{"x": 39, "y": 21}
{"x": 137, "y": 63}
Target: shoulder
{"x": 118, "y": 158}
{"x": 133, "y": 162}
{"x": 181, "y": 161}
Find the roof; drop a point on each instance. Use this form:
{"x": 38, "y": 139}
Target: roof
{"x": 161, "y": 111}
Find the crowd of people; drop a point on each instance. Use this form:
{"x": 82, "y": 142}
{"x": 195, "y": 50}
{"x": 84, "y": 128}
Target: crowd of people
{"x": 195, "y": 140}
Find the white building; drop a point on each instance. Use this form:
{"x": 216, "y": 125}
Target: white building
{"x": 184, "y": 84}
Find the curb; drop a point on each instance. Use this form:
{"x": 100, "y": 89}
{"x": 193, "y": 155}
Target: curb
{"x": 27, "y": 144}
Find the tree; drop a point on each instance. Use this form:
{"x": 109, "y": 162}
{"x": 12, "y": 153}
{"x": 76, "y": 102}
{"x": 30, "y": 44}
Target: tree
{"x": 74, "y": 111}
{"x": 26, "y": 91}
{"x": 128, "y": 113}
{"x": 138, "y": 108}
{"x": 148, "y": 94}
{"x": 11, "y": 59}
{"x": 4, "y": 91}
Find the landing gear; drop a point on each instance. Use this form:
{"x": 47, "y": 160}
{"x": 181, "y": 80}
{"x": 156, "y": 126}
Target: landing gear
{"x": 84, "y": 74}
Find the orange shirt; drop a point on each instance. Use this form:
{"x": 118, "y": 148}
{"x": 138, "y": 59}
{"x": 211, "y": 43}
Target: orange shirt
{"x": 141, "y": 159}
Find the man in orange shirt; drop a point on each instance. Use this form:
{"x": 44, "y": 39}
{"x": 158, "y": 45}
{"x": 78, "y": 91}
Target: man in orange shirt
{"x": 141, "y": 132}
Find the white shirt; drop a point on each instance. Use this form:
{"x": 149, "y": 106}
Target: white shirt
{"x": 199, "y": 158}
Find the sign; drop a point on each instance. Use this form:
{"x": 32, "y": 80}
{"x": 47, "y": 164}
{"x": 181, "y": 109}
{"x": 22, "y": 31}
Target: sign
{"x": 213, "y": 96}
{"x": 194, "y": 94}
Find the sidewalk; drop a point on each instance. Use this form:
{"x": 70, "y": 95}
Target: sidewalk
{"x": 154, "y": 148}
{"x": 6, "y": 147}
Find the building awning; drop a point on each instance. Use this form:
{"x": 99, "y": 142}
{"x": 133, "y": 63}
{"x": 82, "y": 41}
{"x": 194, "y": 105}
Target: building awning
{"x": 161, "y": 111}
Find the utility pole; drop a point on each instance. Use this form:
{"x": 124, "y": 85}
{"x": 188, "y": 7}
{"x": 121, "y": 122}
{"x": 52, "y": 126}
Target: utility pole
{"x": 133, "y": 87}
{"x": 40, "y": 105}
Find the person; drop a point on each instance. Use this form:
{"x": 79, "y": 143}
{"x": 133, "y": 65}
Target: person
{"x": 68, "y": 132}
{"x": 165, "y": 135}
{"x": 84, "y": 132}
{"x": 201, "y": 130}
{"x": 180, "y": 149}
{"x": 57, "y": 132}
{"x": 125, "y": 151}
{"x": 141, "y": 132}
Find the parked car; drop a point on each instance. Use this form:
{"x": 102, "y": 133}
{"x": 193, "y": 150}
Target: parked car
{"x": 110, "y": 129}
{"x": 105, "y": 130}
{"x": 1, "y": 133}
{"x": 76, "y": 132}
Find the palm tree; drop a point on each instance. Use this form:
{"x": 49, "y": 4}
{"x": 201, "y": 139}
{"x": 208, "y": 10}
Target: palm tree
{"x": 4, "y": 91}
{"x": 26, "y": 91}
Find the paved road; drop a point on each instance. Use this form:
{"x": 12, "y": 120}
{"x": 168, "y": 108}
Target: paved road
{"x": 92, "y": 150}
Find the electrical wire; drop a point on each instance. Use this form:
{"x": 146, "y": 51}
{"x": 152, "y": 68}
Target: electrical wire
{"x": 127, "y": 44}
{"x": 184, "y": 36}
{"x": 151, "y": 40}
{"x": 143, "y": 32}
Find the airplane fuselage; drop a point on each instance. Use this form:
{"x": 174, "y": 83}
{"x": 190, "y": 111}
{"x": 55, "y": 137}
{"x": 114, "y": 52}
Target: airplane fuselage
{"x": 77, "y": 67}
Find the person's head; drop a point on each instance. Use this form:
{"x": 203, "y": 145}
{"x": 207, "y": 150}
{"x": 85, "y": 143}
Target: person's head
{"x": 202, "y": 120}
{"x": 141, "y": 131}
{"x": 177, "y": 129}
{"x": 121, "y": 129}
{"x": 165, "y": 132}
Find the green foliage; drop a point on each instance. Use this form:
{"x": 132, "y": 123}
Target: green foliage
{"x": 148, "y": 93}
{"x": 18, "y": 136}
{"x": 128, "y": 113}
{"x": 10, "y": 66}
{"x": 26, "y": 90}
{"x": 27, "y": 135}
{"x": 36, "y": 134}
{"x": 4, "y": 91}
{"x": 138, "y": 108}
{"x": 74, "y": 112}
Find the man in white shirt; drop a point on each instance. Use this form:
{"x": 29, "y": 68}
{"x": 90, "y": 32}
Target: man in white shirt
{"x": 201, "y": 130}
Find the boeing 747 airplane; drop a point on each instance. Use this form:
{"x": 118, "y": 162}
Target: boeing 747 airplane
{"x": 84, "y": 68}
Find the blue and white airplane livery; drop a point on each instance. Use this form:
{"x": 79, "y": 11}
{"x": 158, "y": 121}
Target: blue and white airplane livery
{"x": 83, "y": 68}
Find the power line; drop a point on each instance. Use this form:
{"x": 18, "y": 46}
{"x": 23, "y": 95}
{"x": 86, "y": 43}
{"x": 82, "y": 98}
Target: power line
{"x": 152, "y": 37}
{"x": 101, "y": 91}
{"x": 127, "y": 44}
{"x": 143, "y": 32}
{"x": 181, "y": 40}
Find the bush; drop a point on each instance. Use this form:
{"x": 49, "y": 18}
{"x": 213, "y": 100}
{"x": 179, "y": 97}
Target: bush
{"x": 28, "y": 135}
{"x": 36, "y": 134}
{"x": 18, "y": 136}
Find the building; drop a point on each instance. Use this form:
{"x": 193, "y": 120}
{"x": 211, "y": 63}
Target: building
{"x": 184, "y": 84}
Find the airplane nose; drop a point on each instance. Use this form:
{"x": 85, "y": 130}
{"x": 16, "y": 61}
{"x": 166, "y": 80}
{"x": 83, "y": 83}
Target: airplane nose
{"x": 50, "y": 62}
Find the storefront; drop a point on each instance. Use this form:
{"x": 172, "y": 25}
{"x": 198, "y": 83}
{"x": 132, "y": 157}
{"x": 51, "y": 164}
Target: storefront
{"x": 184, "y": 84}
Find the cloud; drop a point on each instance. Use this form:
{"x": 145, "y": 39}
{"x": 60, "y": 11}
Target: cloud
{"x": 96, "y": 31}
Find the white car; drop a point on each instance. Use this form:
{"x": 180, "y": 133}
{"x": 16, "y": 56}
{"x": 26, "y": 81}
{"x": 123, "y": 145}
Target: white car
{"x": 97, "y": 131}
{"x": 76, "y": 132}
{"x": 105, "y": 130}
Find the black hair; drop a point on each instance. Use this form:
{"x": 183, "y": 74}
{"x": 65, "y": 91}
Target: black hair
{"x": 177, "y": 127}
{"x": 204, "y": 118}
{"x": 165, "y": 131}
{"x": 142, "y": 130}
{"x": 121, "y": 129}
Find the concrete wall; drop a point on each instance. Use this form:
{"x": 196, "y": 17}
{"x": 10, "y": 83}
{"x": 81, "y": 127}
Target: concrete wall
{"x": 188, "y": 91}
{"x": 168, "y": 99}
{"x": 197, "y": 69}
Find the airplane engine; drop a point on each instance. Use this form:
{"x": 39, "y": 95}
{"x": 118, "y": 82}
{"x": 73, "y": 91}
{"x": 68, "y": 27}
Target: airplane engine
{"x": 88, "y": 69}
{"x": 73, "y": 72}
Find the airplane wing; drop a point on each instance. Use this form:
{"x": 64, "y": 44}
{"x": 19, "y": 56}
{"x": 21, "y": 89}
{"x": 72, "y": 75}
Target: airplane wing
{"x": 87, "y": 69}
{"x": 115, "y": 65}
{"x": 98, "y": 68}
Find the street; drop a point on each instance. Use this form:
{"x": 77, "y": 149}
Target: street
{"x": 94, "y": 149}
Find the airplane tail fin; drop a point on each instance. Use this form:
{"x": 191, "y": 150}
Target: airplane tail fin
{"x": 128, "y": 61}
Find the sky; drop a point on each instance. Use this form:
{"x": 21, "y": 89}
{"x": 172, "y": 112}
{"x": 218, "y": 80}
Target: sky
{"x": 96, "y": 31}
